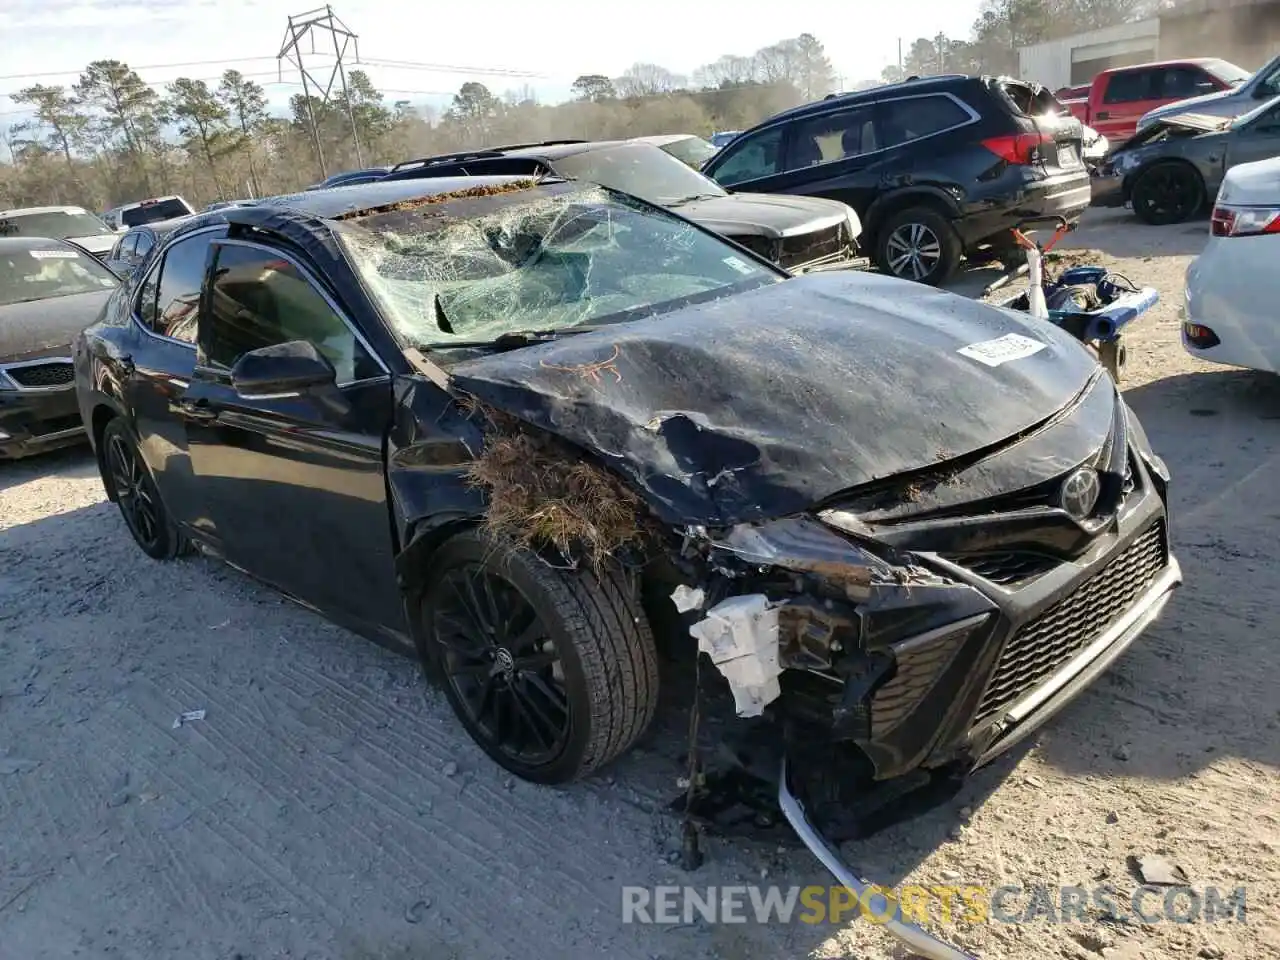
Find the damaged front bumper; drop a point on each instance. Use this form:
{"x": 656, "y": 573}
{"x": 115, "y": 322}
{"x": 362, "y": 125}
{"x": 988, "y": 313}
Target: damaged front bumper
{"x": 937, "y": 643}
{"x": 887, "y": 911}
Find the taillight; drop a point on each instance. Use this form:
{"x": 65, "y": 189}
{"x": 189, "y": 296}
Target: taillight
{"x": 1244, "y": 221}
{"x": 1020, "y": 148}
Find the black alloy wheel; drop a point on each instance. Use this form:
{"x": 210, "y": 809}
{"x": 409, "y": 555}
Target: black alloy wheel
{"x": 918, "y": 244}
{"x": 1167, "y": 193}
{"x": 136, "y": 495}
{"x": 553, "y": 672}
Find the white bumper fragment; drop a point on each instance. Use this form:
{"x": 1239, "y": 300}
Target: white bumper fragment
{"x": 741, "y": 637}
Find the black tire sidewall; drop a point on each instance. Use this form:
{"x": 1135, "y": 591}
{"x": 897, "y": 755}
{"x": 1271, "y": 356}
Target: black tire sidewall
{"x": 941, "y": 227}
{"x": 516, "y": 565}
{"x": 1184, "y": 171}
{"x": 169, "y": 544}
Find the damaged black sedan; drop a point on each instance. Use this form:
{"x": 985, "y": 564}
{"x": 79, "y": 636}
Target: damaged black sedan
{"x": 520, "y": 426}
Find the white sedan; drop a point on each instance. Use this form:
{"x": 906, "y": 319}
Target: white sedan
{"x": 1233, "y": 287}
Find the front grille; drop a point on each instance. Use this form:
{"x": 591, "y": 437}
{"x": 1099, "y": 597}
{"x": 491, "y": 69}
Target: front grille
{"x": 797, "y": 251}
{"x": 1032, "y": 654}
{"x": 760, "y": 246}
{"x": 56, "y": 373}
{"x": 917, "y": 671}
{"x": 1005, "y": 567}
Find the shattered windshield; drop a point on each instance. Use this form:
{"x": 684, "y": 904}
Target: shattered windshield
{"x": 59, "y": 224}
{"x": 642, "y": 170}
{"x": 536, "y": 257}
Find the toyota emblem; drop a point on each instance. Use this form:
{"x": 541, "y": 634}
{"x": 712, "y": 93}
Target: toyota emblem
{"x": 1079, "y": 493}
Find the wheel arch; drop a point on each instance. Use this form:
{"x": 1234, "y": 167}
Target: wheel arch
{"x": 102, "y": 413}
{"x": 888, "y": 204}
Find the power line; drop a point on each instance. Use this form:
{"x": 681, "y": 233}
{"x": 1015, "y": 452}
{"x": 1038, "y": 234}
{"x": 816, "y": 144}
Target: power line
{"x": 370, "y": 61}
{"x": 153, "y": 66}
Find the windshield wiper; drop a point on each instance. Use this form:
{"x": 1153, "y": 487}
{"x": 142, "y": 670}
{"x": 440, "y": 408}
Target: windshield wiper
{"x": 691, "y": 198}
{"x": 511, "y": 340}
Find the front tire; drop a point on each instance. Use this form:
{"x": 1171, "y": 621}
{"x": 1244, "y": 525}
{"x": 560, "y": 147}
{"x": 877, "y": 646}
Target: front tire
{"x": 1167, "y": 193}
{"x": 918, "y": 244}
{"x": 137, "y": 496}
{"x": 553, "y": 672}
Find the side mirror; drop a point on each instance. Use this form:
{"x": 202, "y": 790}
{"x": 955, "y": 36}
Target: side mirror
{"x": 283, "y": 370}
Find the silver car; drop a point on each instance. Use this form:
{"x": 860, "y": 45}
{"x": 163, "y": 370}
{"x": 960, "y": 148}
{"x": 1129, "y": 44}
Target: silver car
{"x": 1245, "y": 93}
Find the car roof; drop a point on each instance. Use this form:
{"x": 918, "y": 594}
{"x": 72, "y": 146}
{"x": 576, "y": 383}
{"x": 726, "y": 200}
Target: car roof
{"x": 147, "y": 202}
{"x": 160, "y": 226}
{"x": 1150, "y": 64}
{"x": 333, "y": 202}
{"x": 663, "y": 138}
{"x": 22, "y": 211}
{"x": 907, "y": 87}
{"x": 15, "y": 244}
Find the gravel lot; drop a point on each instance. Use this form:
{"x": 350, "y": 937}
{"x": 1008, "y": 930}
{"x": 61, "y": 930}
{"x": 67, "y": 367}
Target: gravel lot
{"x": 328, "y": 807}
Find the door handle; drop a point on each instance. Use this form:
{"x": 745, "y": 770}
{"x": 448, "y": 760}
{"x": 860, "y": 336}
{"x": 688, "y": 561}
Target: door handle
{"x": 1103, "y": 115}
{"x": 197, "y": 410}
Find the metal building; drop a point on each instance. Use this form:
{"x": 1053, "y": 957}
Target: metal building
{"x": 1246, "y": 32}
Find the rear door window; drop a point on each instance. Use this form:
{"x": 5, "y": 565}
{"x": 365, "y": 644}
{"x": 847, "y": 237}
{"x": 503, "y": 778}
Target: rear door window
{"x": 1179, "y": 83}
{"x": 833, "y": 136}
{"x": 172, "y": 312}
{"x": 912, "y": 118}
{"x": 758, "y": 156}
{"x": 1131, "y": 87}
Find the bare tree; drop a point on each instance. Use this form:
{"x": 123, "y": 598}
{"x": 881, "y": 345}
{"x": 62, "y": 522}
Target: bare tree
{"x": 646, "y": 80}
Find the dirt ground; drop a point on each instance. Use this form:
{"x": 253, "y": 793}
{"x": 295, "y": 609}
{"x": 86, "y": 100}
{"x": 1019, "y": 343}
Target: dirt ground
{"x": 328, "y": 806}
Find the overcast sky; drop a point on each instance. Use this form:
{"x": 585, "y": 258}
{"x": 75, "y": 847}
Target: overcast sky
{"x": 550, "y": 43}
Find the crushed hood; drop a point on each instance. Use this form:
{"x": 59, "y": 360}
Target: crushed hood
{"x": 1193, "y": 103}
{"x": 34, "y": 328}
{"x": 764, "y": 215}
{"x": 763, "y": 404}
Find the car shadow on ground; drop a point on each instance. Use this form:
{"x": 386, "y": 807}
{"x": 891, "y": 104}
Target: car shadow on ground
{"x": 1200, "y": 684}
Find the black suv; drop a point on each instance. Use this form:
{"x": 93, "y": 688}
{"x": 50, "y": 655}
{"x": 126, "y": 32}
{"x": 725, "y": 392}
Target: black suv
{"x": 797, "y": 233}
{"x": 934, "y": 167}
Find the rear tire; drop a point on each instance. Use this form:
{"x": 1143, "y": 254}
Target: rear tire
{"x": 1167, "y": 193}
{"x": 918, "y": 244}
{"x": 553, "y": 672}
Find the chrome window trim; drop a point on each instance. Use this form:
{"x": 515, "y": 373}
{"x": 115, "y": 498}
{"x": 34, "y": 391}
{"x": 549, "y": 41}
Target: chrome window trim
{"x": 12, "y": 384}
{"x": 341, "y": 314}
{"x": 142, "y": 282}
{"x": 974, "y": 117}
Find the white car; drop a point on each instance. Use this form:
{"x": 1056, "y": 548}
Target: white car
{"x": 59, "y": 223}
{"x": 1233, "y": 286}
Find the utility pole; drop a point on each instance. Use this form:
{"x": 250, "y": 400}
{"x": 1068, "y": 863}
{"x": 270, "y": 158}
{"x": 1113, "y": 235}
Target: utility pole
{"x": 305, "y": 25}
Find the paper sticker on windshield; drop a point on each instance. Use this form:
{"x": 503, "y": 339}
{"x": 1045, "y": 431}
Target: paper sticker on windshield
{"x": 1012, "y": 346}
{"x": 740, "y": 265}
{"x": 54, "y": 254}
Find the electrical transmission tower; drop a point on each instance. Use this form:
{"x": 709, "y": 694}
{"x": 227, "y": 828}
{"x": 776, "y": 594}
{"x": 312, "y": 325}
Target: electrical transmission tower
{"x": 305, "y": 26}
